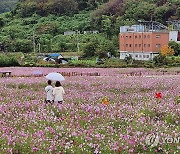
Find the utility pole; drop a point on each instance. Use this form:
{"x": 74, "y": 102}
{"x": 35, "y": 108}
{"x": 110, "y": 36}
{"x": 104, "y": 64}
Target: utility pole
{"x": 152, "y": 24}
{"x": 39, "y": 46}
{"x": 51, "y": 44}
{"x": 34, "y": 44}
{"x": 77, "y": 41}
{"x": 78, "y": 46}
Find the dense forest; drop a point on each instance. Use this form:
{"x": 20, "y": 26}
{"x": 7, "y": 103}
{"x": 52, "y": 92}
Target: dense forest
{"x": 42, "y": 23}
{"x": 57, "y": 7}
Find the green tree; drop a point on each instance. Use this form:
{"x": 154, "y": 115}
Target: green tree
{"x": 136, "y": 10}
{"x": 178, "y": 12}
{"x": 45, "y": 41}
{"x": 176, "y": 47}
{"x": 28, "y": 9}
{"x": 106, "y": 26}
{"x": 87, "y": 4}
{"x": 90, "y": 49}
{"x": 60, "y": 7}
{"x": 1, "y": 22}
{"x": 23, "y": 45}
{"x": 161, "y": 13}
{"x": 104, "y": 47}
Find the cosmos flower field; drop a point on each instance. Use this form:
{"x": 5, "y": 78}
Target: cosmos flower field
{"x": 83, "y": 124}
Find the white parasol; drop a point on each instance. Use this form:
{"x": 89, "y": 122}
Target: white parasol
{"x": 54, "y": 76}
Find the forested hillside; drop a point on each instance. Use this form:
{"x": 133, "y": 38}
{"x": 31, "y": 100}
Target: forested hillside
{"x": 57, "y": 7}
{"x": 45, "y": 21}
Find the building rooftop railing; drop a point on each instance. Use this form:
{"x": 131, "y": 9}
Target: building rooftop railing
{"x": 174, "y": 24}
{"x": 147, "y": 26}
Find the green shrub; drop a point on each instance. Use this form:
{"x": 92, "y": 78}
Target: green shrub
{"x": 8, "y": 61}
{"x": 160, "y": 60}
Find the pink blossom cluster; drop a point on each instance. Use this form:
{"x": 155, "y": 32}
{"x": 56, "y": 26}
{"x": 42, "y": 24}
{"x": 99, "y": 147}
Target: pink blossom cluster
{"x": 82, "y": 124}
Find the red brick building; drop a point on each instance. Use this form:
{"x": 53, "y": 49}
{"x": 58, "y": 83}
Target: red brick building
{"x": 141, "y": 45}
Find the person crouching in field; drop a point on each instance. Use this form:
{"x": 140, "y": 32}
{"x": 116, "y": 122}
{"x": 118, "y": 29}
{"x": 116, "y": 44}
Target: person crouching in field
{"x": 58, "y": 92}
{"x": 49, "y": 93}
